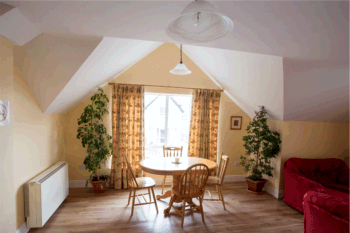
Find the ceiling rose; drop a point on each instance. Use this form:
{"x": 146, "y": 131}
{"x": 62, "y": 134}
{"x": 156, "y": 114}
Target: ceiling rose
{"x": 200, "y": 21}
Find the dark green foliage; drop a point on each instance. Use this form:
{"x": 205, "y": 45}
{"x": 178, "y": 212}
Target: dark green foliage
{"x": 93, "y": 133}
{"x": 261, "y": 146}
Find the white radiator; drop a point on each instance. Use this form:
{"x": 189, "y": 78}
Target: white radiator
{"x": 45, "y": 193}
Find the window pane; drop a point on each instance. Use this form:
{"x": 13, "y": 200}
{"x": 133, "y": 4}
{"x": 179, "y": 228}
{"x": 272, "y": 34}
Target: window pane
{"x": 154, "y": 125}
{"x": 179, "y": 118}
{"x": 156, "y": 118}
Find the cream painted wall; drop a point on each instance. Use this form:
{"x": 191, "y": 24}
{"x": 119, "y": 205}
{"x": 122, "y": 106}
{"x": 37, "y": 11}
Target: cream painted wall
{"x": 154, "y": 70}
{"x": 274, "y": 181}
{"x": 74, "y": 151}
{"x": 7, "y": 191}
{"x": 302, "y": 139}
{"x": 39, "y": 141}
{"x": 230, "y": 141}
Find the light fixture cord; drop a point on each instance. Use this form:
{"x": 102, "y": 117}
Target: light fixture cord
{"x": 181, "y": 53}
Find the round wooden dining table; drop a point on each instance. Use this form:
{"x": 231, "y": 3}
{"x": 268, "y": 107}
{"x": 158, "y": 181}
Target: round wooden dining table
{"x": 166, "y": 166}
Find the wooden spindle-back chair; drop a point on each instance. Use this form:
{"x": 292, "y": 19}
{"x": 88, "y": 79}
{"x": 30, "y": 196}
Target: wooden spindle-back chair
{"x": 191, "y": 185}
{"x": 171, "y": 152}
{"x": 139, "y": 183}
{"x": 218, "y": 180}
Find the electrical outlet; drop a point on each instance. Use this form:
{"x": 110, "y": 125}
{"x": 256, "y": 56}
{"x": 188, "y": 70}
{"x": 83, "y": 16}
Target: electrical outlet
{"x": 82, "y": 167}
{"x": 237, "y": 163}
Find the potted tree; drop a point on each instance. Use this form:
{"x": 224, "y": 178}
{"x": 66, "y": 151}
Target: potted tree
{"x": 94, "y": 137}
{"x": 261, "y": 145}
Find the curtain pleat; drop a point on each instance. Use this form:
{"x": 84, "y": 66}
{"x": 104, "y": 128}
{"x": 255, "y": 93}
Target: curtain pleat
{"x": 128, "y": 132}
{"x": 204, "y": 124}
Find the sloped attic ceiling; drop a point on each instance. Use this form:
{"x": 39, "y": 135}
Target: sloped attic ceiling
{"x": 313, "y": 33}
{"x": 111, "y": 57}
{"x": 245, "y": 77}
{"x": 49, "y": 62}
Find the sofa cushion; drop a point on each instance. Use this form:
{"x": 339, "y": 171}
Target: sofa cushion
{"x": 328, "y": 165}
{"x": 330, "y": 203}
{"x": 338, "y": 194}
{"x": 339, "y": 187}
{"x": 343, "y": 175}
{"x": 329, "y": 177}
{"x": 321, "y": 170}
{"x": 303, "y": 175}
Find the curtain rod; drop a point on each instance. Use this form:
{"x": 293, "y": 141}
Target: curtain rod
{"x": 191, "y": 88}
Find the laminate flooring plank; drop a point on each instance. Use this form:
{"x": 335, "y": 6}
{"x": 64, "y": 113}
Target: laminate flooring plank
{"x": 85, "y": 211}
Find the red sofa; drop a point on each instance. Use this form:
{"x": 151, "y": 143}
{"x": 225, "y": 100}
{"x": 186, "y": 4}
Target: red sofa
{"x": 324, "y": 213}
{"x": 329, "y": 176}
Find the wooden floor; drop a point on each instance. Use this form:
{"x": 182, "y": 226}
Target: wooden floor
{"x": 84, "y": 211}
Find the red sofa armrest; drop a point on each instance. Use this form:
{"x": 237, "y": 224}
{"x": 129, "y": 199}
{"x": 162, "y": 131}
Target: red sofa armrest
{"x": 324, "y": 213}
{"x": 295, "y": 187}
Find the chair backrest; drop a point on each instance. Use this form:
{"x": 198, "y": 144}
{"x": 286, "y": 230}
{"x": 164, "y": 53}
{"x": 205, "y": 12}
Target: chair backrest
{"x": 172, "y": 151}
{"x": 131, "y": 176}
{"x": 193, "y": 180}
{"x": 222, "y": 168}
{"x": 219, "y": 163}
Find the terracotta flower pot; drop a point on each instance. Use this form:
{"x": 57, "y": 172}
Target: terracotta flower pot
{"x": 99, "y": 186}
{"x": 255, "y": 186}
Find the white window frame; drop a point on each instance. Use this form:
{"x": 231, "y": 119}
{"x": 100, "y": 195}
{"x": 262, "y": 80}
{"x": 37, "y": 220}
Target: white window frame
{"x": 167, "y": 109}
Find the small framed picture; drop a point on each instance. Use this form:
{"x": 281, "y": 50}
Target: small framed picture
{"x": 236, "y": 122}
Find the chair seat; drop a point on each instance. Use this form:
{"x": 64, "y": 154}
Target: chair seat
{"x": 213, "y": 180}
{"x": 145, "y": 182}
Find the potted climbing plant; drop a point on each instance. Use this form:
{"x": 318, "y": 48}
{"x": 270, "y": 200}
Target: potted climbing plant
{"x": 95, "y": 139}
{"x": 261, "y": 145}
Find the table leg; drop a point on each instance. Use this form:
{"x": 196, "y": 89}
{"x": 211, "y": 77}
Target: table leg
{"x": 165, "y": 195}
{"x": 169, "y": 193}
{"x": 167, "y": 210}
{"x": 176, "y": 180}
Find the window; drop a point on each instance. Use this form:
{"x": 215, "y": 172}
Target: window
{"x": 167, "y": 122}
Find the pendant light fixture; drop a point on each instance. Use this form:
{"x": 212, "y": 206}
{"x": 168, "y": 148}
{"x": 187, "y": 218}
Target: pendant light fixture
{"x": 180, "y": 69}
{"x": 200, "y": 21}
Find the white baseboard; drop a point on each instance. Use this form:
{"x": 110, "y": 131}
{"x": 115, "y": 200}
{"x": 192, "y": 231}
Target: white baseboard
{"x": 159, "y": 181}
{"x": 80, "y": 184}
{"x": 274, "y": 192}
{"x": 229, "y": 178}
{"x": 235, "y": 178}
{"x": 23, "y": 228}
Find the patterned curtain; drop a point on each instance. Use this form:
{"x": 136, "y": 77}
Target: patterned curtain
{"x": 128, "y": 132}
{"x": 204, "y": 124}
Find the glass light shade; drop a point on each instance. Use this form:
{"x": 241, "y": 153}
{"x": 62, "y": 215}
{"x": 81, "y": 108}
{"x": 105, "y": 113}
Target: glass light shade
{"x": 180, "y": 69}
{"x": 200, "y": 21}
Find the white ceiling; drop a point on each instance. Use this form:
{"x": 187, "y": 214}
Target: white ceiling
{"x": 25, "y": 30}
{"x": 314, "y": 32}
{"x": 315, "y": 91}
